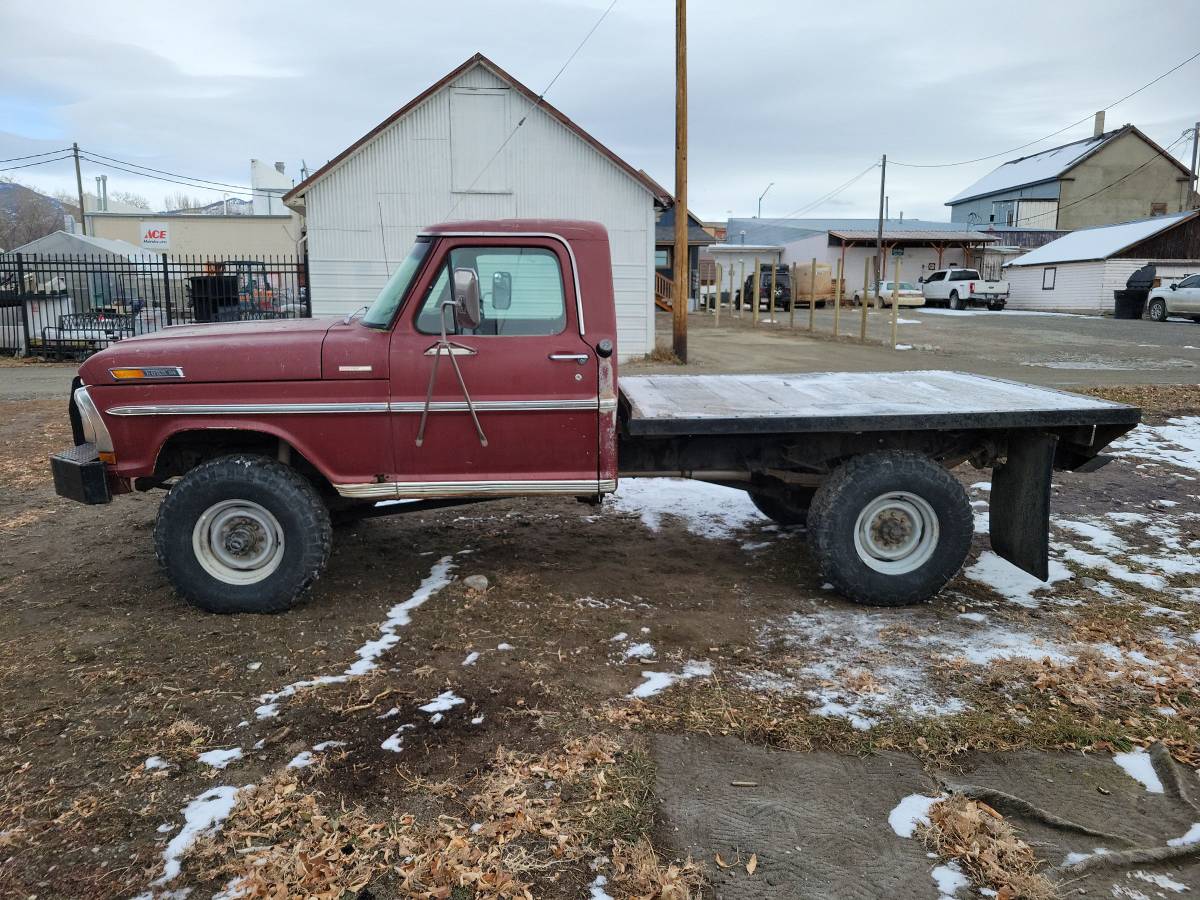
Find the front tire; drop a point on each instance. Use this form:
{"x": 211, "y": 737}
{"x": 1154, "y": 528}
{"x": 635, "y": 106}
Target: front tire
{"x": 890, "y": 528}
{"x": 242, "y": 533}
{"x": 1157, "y": 310}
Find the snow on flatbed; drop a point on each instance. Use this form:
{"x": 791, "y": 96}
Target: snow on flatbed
{"x": 679, "y": 404}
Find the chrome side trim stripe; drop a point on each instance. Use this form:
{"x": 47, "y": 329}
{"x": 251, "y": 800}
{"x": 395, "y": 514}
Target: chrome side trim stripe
{"x": 290, "y": 409}
{"x": 403, "y": 490}
{"x": 246, "y": 409}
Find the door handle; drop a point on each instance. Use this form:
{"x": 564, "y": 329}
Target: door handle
{"x": 580, "y": 358}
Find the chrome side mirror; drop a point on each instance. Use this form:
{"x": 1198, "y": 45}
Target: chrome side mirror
{"x": 466, "y": 298}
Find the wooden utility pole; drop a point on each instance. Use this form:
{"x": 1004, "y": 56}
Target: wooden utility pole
{"x": 879, "y": 233}
{"x": 679, "y": 309}
{"x": 79, "y": 189}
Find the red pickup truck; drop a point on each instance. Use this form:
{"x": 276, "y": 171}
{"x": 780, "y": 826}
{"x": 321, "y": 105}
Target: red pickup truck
{"x": 487, "y": 367}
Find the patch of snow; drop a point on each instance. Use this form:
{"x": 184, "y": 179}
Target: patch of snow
{"x": 155, "y": 762}
{"x": 394, "y": 711}
{"x": 471, "y": 659}
{"x": 165, "y": 827}
{"x": 910, "y": 812}
{"x": 368, "y": 654}
{"x": 301, "y": 760}
{"x": 708, "y": 510}
{"x": 219, "y": 759}
{"x": 1113, "y": 568}
{"x": 639, "y": 650}
{"x": 395, "y": 741}
{"x": 505, "y": 646}
{"x": 949, "y": 879}
{"x": 442, "y": 702}
{"x": 1010, "y": 582}
{"x": 1095, "y": 534}
{"x": 597, "y": 891}
{"x": 328, "y": 745}
{"x": 1176, "y": 443}
{"x": 203, "y": 815}
{"x": 1074, "y": 857}
{"x": 657, "y": 682}
{"x": 1191, "y": 836}
{"x": 977, "y": 618}
{"x": 903, "y": 346}
{"x": 1163, "y": 881}
{"x": 981, "y": 486}
{"x": 619, "y": 636}
{"x": 1137, "y": 765}
{"x": 478, "y": 720}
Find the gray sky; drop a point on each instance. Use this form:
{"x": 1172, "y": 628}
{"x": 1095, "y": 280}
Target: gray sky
{"x": 802, "y": 94}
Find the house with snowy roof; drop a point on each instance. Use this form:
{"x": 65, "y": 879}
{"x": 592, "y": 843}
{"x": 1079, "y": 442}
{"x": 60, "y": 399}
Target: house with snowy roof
{"x": 1113, "y": 176}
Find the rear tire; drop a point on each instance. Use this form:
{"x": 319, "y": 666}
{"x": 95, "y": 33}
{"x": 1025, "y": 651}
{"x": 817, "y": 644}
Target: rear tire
{"x": 242, "y": 533}
{"x": 1157, "y": 310}
{"x": 955, "y": 302}
{"x": 890, "y": 528}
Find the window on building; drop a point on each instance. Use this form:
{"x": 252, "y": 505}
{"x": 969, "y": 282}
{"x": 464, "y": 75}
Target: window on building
{"x": 1009, "y": 216}
{"x": 478, "y": 122}
{"x": 1158, "y": 209}
{"x": 1048, "y": 276}
{"x": 662, "y": 258}
{"x": 529, "y": 276}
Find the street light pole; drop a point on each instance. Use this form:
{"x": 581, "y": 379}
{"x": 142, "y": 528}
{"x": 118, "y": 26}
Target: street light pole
{"x": 681, "y": 272}
{"x": 760, "y": 196}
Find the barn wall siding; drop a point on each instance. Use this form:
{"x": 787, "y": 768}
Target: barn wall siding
{"x": 1078, "y": 287}
{"x": 403, "y": 177}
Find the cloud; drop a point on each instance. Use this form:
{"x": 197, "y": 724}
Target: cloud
{"x": 803, "y": 96}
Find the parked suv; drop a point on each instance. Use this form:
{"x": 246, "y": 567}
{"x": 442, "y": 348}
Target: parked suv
{"x": 1179, "y": 298}
{"x": 783, "y": 289}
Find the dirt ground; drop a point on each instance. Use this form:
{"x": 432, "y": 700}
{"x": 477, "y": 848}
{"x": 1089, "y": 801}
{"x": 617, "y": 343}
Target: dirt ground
{"x": 405, "y": 734}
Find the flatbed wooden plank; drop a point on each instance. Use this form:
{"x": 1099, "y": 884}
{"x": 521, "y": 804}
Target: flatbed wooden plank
{"x": 850, "y": 401}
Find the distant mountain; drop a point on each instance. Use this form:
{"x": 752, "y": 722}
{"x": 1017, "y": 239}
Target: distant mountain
{"x": 231, "y": 207}
{"x": 26, "y": 215}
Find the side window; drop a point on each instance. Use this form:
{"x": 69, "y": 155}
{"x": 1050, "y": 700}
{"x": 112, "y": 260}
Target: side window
{"x": 1048, "y": 276}
{"x": 1192, "y": 281}
{"x": 520, "y": 288}
{"x": 936, "y": 276}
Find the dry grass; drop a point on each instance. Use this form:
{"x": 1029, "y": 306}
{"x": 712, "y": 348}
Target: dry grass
{"x": 530, "y": 821}
{"x": 987, "y": 848}
{"x": 663, "y": 354}
{"x": 1160, "y": 399}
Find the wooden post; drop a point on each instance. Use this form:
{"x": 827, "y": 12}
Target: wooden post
{"x": 812, "y": 295}
{"x": 717, "y": 308}
{"x": 862, "y": 333}
{"x": 774, "y": 266}
{"x": 837, "y": 301}
{"x": 895, "y": 301}
{"x": 795, "y": 298}
{"x": 682, "y": 276}
{"x": 756, "y": 287}
{"x": 741, "y": 287}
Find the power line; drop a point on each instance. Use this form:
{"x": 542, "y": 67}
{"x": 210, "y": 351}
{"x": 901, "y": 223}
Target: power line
{"x": 535, "y": 105}
{"x": 247, "y": 192}
{"x": 35, "y": 155}
{"x": 202, "y": 181}
{"x": 1166, "y": 150}
{"x": 966, "y": 162}
{"x": 41, "y": 163}
{"x": 837, "y": 190}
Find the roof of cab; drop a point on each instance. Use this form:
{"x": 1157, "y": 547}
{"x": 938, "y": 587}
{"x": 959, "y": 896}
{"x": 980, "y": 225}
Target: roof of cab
{"x": 573, "y": 229}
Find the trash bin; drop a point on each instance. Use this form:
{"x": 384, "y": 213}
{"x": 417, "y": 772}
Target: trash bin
{"x": 1130, "y": 304}
{"x": 214, "y": 298}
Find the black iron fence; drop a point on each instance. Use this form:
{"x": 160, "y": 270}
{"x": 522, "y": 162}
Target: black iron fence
{"x": 72, "y": 306}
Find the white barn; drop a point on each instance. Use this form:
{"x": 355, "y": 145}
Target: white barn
{"x": 1079, "y": 271}
{"x": 475, "y": 144}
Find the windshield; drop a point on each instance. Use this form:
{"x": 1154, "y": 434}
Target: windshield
{"x": 384, "y": 308}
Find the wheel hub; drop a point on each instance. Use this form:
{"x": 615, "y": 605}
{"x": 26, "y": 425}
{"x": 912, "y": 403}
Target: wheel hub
{"x": 896, "y": 533}
{"x": 238, "y": 541}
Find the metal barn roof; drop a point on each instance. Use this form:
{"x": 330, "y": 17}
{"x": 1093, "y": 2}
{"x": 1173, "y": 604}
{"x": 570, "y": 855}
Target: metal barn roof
{"x": 958, "y": 235}
{"x": 1101, "y": 242}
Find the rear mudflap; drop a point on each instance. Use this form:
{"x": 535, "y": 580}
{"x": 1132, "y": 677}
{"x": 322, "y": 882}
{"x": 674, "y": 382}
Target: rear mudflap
{"x": 1020, "y": 503}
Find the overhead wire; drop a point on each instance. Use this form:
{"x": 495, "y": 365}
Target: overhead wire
{"x": 837, "y": 190}
{"x": 200, "y": 181}
{"x": 244, "y": 191}
{"x": 35, "y": 155}
{"x": 1046, "y": 137}
{"x": 39, "y": 163}
{"x": 534, "y": 106}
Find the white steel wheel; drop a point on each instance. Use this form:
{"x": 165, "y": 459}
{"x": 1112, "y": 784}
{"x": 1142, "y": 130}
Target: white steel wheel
{"x": 238, "y": 542}
{"x": 896, "y": 533}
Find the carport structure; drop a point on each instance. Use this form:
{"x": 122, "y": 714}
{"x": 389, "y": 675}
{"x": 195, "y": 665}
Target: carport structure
{"x": 969, "y": 243}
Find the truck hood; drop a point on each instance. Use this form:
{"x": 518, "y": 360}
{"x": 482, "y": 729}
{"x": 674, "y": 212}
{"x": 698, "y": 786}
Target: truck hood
{"x": 273, "y": 350}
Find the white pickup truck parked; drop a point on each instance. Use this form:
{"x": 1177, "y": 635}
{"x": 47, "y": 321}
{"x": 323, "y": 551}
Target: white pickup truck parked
{"x": 959, "y": 288}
